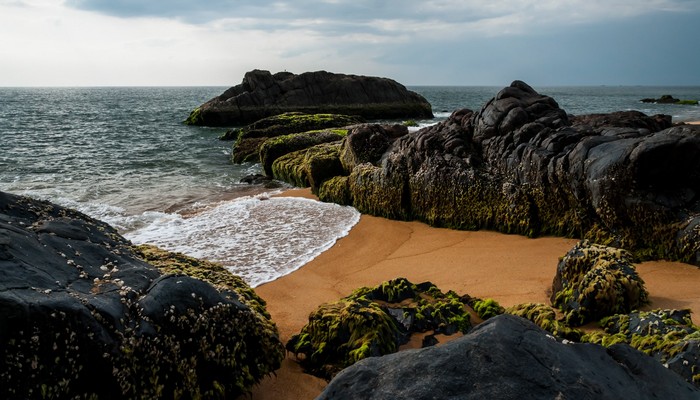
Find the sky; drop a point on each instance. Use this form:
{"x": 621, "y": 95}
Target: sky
{"x": 423, "y": 42}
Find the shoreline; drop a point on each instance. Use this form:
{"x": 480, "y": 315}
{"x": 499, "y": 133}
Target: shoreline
{"x": 508, "y": 268}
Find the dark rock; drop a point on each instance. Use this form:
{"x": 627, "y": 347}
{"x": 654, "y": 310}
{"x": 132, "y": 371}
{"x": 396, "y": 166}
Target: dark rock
{"x": 594, "y": 281}
{"x": 250, "y": 138}
{"x": 668, "y": 99}
{"x": 508, "y": 357}
{"x": 256, "y": 179}
{"x": 373, "y": 322}
{"x": 521, "y": 165}
{"x": 274, "y": 148}
{"x": 262, "y": 94}
{"x": 367, "y": 144}
{"x": 82, "y": 315}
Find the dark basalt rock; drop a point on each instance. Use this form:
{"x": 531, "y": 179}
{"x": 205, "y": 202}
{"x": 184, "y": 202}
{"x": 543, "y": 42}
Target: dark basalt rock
{"x": 522, "y": 165}
{"x": 508, "y": 357}
{"x": 668, "y": 99}
{"x": 262, "y": 94}
{"x": 594, "y": 281}
{"x": 82, "y": 315}
{"x": 367, "y": 144}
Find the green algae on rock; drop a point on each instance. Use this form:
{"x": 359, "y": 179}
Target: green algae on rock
{"x": 545, "y": 317}
{"x": 309, "y": 167}
{"x": 594, "y": 281}
{"x": 250, "y": 139}
{"x": 373, "y": 322}
{"x": 276, "y": 147}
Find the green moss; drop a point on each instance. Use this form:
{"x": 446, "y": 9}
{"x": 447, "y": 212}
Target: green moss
{"x": 687, "y": 102}
{"x": 373, "y": 194}
{"x": 195, "y": 117}
{"x": 336, "y": 190}
{"x": 545, "y": 317}
{"x": 486, "y": 309}
{"x": 410, "y": 123}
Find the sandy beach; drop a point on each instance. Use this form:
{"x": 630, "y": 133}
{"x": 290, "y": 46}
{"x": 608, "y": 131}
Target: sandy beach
{"x": 508, "y": 268}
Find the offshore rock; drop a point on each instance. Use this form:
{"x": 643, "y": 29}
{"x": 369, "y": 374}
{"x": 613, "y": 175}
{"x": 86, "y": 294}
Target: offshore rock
{"x": 594, "y": 281}
{"x": 508, "y": 357}
{"x": 83, "y": 315}
{"x": 262, "y": 94}
{"x": 522, "y": 165}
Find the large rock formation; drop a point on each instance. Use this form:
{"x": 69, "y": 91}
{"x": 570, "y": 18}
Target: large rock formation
{"x": 262, "y": 94}
{"x": 83, "y": 315}
{"x": 508, "y": 357}
{"x": 520, "y": 165}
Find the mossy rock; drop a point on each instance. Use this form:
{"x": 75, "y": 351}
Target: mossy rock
{"x": 274, "y": 148}
{"x": 195, "y": 117}
{"x": 309, "y": 167}
{"x": 336, "y": 190}
{"x": 545, "y": 317}
{"x": 595, "y": 281}
{"x": 667, "y": 335}
{"x": 487, "y": 308}
{"x": 375, "y": 321}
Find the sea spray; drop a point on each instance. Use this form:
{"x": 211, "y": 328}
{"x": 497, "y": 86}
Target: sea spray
{"x": 258, "y": 238}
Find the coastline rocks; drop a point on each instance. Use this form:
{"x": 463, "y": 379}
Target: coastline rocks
{"x": 521, "y": 165}
{"x": 594, "y": 281}
{"x": 373, "y": 322}
{"x": 274, "y": 148}
{"x": 250, "y": 138}
{"x": 668, "y": 99}
{"x": 309, "y": 167}
{"x": 82, "y": 315}
{"x": 367, "y": 144}
{"x": 508, "y": 357}
{"x": 262, "y": 94}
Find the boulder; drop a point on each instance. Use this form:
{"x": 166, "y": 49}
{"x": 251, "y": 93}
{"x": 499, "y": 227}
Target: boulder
{"x": 373, "y": 322}
{"x": 367, "y": 143}
{"x": 508, "y": 357}
{"x": 668, "y": 99}
{"x": 84, "y": 315}
{"x": 594, "y": 281}
{"x": 276, "y": 147}
{"x": 262, "y": 94}
{"x": 522, "y": 165}
{"x": 309, "y": 167}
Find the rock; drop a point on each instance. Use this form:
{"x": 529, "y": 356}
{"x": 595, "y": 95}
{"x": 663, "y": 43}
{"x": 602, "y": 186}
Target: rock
{"x": 667, "y": 335}
{"x": 309, "y": 167}
{"x": 508, "y": 357}
{"x": 256, "y": 179}
{"x": 367, "y": 143}
{"x": 668, "y": 99}
{"x": 262, "y": 94}
{"x": 373, "y": 322}
{"x": 83, "y": 315}
{"x": 250, "y": 138}
{"x": 276, "y": 147}
{"x": 594, "y": 281}
{"x": 521, "y": 165}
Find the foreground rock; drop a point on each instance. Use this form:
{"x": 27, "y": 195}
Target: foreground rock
{"x": 520, "y": 165}
{"x": 83, "y": 315}
{"x": 262, "y": 94}
{"x": 508, "y": 357}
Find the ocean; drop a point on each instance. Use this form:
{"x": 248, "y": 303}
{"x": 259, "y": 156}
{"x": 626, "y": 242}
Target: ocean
{"x": 122, "y": 155}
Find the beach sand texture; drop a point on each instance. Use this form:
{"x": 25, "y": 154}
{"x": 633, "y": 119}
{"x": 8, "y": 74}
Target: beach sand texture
{"x": 508, "y": 268}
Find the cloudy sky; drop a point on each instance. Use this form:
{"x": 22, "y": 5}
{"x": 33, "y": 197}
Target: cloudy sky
{"x": 422, "y": 42}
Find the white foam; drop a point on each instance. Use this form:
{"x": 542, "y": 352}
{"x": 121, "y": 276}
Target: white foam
{"x": 257, "y": 238}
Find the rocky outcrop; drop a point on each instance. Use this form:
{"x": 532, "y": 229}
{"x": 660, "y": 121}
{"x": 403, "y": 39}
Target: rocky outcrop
{"x": 262, "y": 94}
{"x": 667, "y": 335}
{"x": 594, "y": 281}
{"x": 668, "y": 99}
{"x": 373, "y": 322}
{"x": 309, "y": 167}
{"x": 84, "y": 315}
{"x": 508, "y": 357}
{"x": 521, "y": 165}
{"x": 274, "y": 148}
{"x": 250, "y": 138}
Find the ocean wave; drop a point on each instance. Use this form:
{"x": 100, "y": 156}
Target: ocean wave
{"x": 258, "y": 238}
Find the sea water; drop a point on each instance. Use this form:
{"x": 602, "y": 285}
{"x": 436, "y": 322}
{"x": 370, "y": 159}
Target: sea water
{"x": 122, "y": 155}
